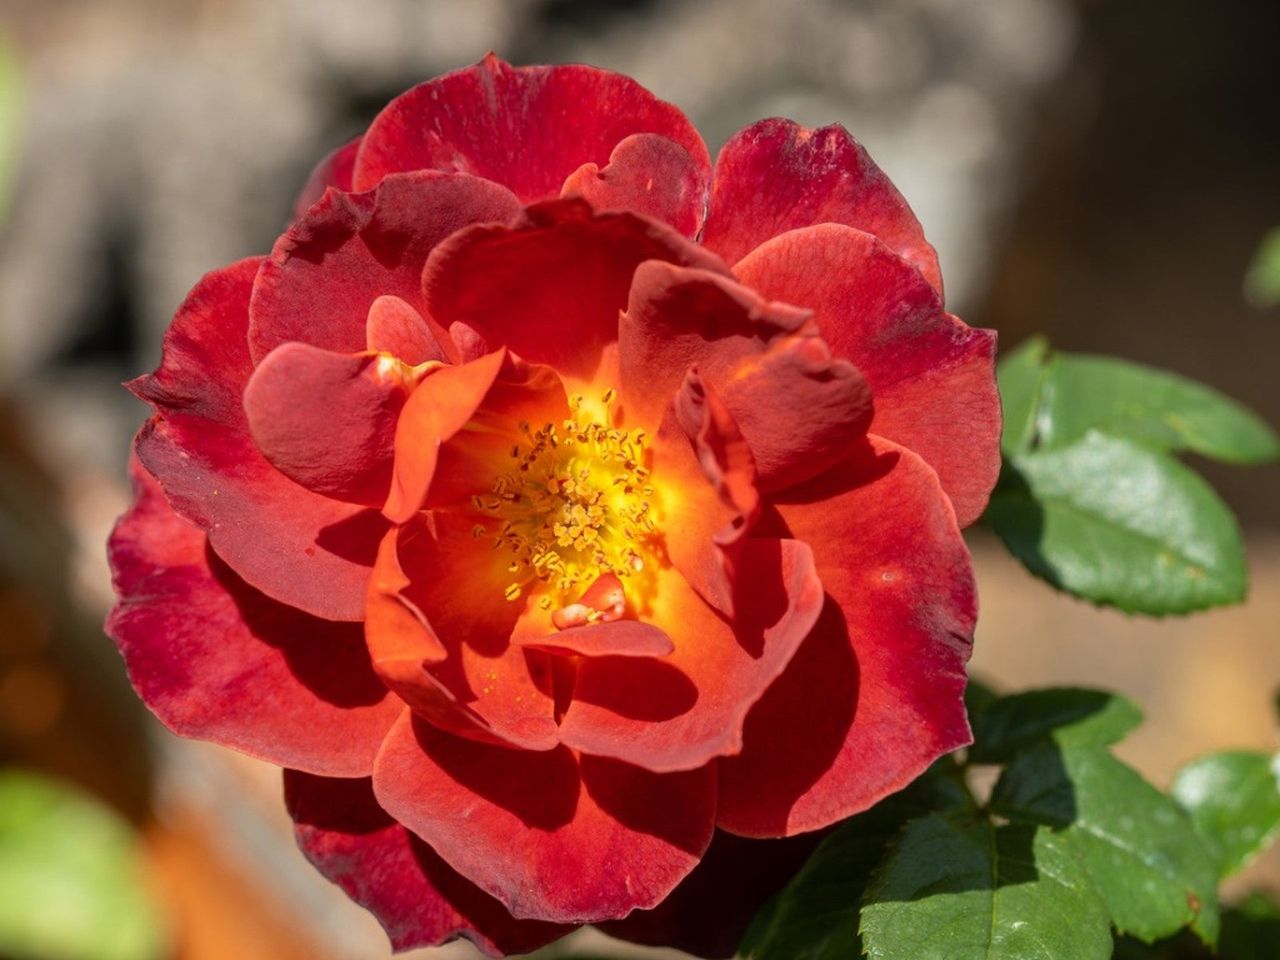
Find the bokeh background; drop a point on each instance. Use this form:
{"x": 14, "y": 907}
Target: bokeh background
{"x": 1099, "y": 171}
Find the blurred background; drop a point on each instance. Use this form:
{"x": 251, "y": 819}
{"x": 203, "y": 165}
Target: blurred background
{"x": 1102, "y": 172}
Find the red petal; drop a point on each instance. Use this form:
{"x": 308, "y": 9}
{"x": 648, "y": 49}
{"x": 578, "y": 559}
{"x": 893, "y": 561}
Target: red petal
{"x": 333, "y": 171}
{"x": 798, "y": 408}
{"x": 875, "y": 694}
{"x": 349, "y": 249}
{"x": 932, "y": 376}
{"x": 553, "y": 836}
{"x": 776, "y": 175}
{"x": 550, "y": 286}
{"x": 707, "y": 480}
{"x": 328, "y": 420}
{"x": 448, "y": 654}
{"x": 417, "y": 897}
{"x": 708, "y": 914}
{"x": 527, "y": 128}
{"x": 298, "y": 547}
{"x": 681, "y": 711}
{"x": 218, "y": 661}
{"x": 646, "y": 174}
{"x": 619, "y": 638}
{"x": 440, "y": 406}
{"x": 395, "y": 327}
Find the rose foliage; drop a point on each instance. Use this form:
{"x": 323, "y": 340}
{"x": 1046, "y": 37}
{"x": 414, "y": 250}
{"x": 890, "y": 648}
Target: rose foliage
{"x": 572, "y": 517}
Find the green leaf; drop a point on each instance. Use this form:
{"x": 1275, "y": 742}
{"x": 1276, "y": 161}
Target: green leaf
{"x": 1054, "y": 400}
{"x": 70, "y": 885}
{"x": 1139, "y": 848}
{"x": 960, "y": 888}
{"x": 11, "y": 111}
{"x": 1073, "y": 716}
{"x": 1234, "y": 800}
{"x": 1262, "y": 281}
{"x": 815, "y": 917}
{"x": 1020, "y": 378}
{"x": 1113, "y": 522}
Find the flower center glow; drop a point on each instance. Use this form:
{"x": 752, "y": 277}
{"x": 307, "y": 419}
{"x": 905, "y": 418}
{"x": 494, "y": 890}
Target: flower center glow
{"x": 575, "y": 506}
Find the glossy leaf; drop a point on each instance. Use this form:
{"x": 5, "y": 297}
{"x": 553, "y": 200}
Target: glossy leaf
{"x": 1073, "y": 716}
{"x": 1234, "y": 800}
{"x": 815, "y": 917}
{"x": 70, "y": 885}
{"x": 1052, "y": 400}
{"x": 961, "y": 888}
{"x": 1119, "y": 524}
{"x": 1139, "y": 848}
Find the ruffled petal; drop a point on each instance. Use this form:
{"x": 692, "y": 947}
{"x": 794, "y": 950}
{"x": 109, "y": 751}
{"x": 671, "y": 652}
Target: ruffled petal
{"x": 347, "y": 250}
{"x": 553, "y": 836}
{"x": 550, "y": 286}
{"x": 776, "y": 175}
{"x": 798, "y": 406}
{"x": 333, "y": 171}
{"x": 328, "y": 420}
{"x": 441, "y": 406}
{"x": 394, "y": 327}
{"x": 646, "y": 174}
{"x": 875, "y": 694}
{"x": 298, "y": 547}
{"x": 708, "y": 914}
{"x": 932, "y": 376}
{"x": 447, "y": 650}
{"x": 418, "y": 898}
{"x": 527, "y": 128}
{"x": 678, "y": 712}
{"x": 216, "y": 660}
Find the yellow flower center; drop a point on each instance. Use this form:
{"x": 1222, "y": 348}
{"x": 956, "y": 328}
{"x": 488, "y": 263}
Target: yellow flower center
{"x": 576, "y": 505}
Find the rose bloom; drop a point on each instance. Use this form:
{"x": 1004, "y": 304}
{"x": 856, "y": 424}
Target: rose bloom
{"x": 571, "y": 518}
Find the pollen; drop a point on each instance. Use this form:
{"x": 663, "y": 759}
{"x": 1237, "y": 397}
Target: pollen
{"x": 575, "y": 504}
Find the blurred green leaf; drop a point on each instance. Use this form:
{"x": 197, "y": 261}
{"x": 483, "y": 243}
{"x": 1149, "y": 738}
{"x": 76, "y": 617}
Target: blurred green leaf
{"x": 1119, "y": 524}
{"x": 11, "y": 102}
{"x": 1140, "y": 850}
{"x": 1251, "y": 930}
{"x": 1262, "y": 280}
{"x": 1014, "y": 723}
{"x": 1234, "y": 800}
{"x": 70, "y": 885}
{"x": 815, "y": 917}
{"x": 961, "y": 888}
{"x": 1020, "y": 377}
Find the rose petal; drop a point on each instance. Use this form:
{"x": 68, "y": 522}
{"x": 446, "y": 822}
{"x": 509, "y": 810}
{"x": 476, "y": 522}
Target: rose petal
{"x": 933, "y": 377}
{"x": 798, "y": 407}
{"x": 328, "y": 420}
{"x": 333, "y": 171}
{"x": 776, "y": 175}
{"x": 708, "y": 914}
{"x": 417, "y": 897}
{"x": 395, "y": 327}
{"x": 619, "y": 638}
{"x": 550, "y": 286}
{"x": 349, "y": 249}
{"x": 449, "y": 653}
{"x": 216, "y": 660}
{"x": 706, "y": 477}
{"x": 875, "y": 694}
{"x": 553, "y": 836}
{"x": 440, "y": 407}
{"x": 646, "y": 174}
{"x": 527, "y": 128}
{"x": 679, "y": 712}
{"x": 298, "y": 547}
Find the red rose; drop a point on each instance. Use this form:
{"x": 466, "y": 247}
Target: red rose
{"x": 547, "y": 500}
